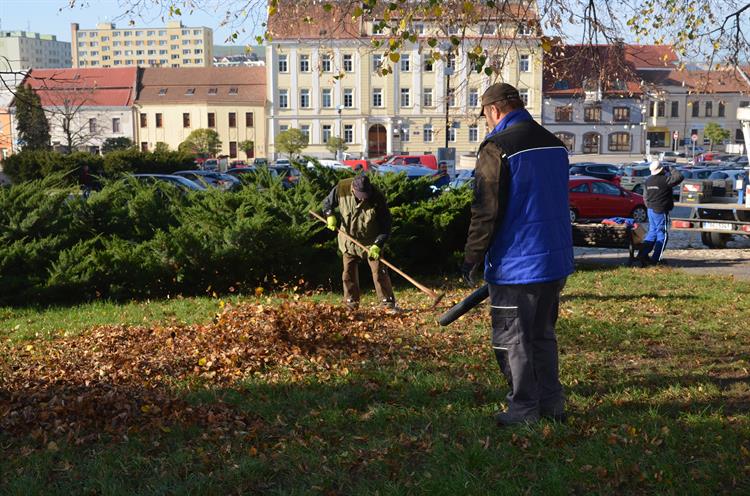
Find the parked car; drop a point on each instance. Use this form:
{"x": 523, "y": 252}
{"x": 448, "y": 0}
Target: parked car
{"x": 260, "y": 162}
{"x": 177, "y": 181}
{"x": 331, "y": 164}
{"x": 283, "y": 161}
{"x": 213, "y": 179}
{"x": 594, "y": 198}
{"x": 602, "y": 171}
{"x": 416, "y": 171}
{"x": 359, "y": 164}
{"x": 736, "y": 161}
{"x": 382, "y": 160}
{"x": 237, "y": 163}
{"x": 429, "y": 161}
{"x": 464, "y": 177}
{"x": 672, "y": 156}
{"x": 288, "y": 174}
{"x": 634, "y": 176}
{"x": 210, "y": 164}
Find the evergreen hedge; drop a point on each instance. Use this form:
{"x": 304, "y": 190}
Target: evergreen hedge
{"x": 30, "y": 165}
{"x": 132, "y": 240}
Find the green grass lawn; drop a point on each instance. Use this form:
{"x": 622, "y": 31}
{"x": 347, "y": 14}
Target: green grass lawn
{"x": 655, "y": 364}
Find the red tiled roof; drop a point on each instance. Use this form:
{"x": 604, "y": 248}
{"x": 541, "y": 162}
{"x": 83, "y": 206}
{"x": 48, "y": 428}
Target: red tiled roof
{"x": 700, "y": 81}
{"x": 568, "y": 67}
{"x": 651, "y": 56}
{"x": 95, "y": 87}
{"x": 246, "y": 85}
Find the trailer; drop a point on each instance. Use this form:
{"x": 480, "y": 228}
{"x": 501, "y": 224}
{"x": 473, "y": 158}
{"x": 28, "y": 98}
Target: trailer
{"x": 718, "y": 217}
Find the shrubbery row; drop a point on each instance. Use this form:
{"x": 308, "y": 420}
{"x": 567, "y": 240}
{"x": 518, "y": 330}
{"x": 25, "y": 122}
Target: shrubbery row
{"x": 131, "y": 240}
{"x": 37, "y": 164}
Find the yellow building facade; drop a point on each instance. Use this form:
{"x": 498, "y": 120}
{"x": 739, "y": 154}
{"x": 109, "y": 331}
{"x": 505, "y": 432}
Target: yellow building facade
{"x": 329, "y": 85}
{"x": 173, "y": 102}
{"x": 173, "y": 45}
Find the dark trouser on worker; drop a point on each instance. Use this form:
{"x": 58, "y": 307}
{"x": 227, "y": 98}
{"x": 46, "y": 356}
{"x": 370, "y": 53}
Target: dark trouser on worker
{"x": 525, "y": 345}
{"x": 656, "y": 239}
{"x": 380, "y": 278}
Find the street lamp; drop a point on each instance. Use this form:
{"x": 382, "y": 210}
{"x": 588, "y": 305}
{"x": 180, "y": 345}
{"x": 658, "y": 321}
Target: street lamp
{"x": 447, "y": 47}
{"x": 339, "y": 152}
{"x": 400, "y": 124}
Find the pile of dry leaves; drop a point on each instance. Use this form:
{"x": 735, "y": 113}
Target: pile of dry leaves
{"x": 120, "y": 379}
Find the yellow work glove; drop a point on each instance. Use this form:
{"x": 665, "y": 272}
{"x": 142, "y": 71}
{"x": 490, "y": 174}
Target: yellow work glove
{"x": 374, "y": 252}
{"x": 331, "y": 222}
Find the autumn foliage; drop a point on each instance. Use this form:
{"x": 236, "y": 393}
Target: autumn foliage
{"x": 117, "y": 380}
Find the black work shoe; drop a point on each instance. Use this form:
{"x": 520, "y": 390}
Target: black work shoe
{"x": 506, "y": 419}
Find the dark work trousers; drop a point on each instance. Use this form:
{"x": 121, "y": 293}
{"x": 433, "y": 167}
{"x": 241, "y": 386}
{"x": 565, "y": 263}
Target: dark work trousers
{"x": 525, "y": 345}
{"x": 380, "y": 277}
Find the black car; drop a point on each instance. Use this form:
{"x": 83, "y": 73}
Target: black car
{"x": 602, "y": 171}
{"x": 209, "y": 178}
{"x": 180, "y": 182}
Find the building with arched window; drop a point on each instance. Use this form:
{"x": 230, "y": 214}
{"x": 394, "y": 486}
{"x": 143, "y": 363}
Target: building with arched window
{"x": 593, "y": 100}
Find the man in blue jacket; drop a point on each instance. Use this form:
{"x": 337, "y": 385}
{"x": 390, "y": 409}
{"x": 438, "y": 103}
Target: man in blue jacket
{"x": 520, "y": 230}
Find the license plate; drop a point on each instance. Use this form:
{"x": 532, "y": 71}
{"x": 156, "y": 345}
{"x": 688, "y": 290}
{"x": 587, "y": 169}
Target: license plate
{"x": 719, "y": 226}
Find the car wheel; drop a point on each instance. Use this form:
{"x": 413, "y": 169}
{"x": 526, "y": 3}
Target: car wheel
{"x": 638, "y": 189}
{"x": 573, "y": 215}
{"x": 640, "y": 214}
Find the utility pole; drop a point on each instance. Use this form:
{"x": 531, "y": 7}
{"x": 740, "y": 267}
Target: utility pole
{"x": 447, "y": 103}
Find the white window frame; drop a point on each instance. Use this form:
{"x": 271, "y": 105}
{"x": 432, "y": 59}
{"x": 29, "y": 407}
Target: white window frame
{"x": 304, "y": 98}
{"x": 473, "y": 97}
{"x": 326, "y": 131}
{"x": 405, "y": 63}
{"x": 473, "y": 133}
{"x": 325, "y": 63}
{"x": 525, "y": 96}
{"x": 326, "y": 94}
{"x": 283, "y": 63}
{"x": 304, "y": 63}
{"x": 377, "y": 97}
{"x": 348, "y": 98}
{"x": 377, "y": 60}
{"x": 425, "y": 93}
{"x": 524, "y": 63}
{"x": 428, "y": 134}
{"x": 405, "y": 93}
{"x": 284, "y": 99}
{"x": 349, "y": 133}
{"x": 452, "y": 134}
{"x": 347, "y": 62}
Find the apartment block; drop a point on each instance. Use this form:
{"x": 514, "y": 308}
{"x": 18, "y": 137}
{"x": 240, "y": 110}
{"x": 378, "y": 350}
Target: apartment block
{"x": 324, "y": 79}
{"x": 173, "y": 45}
{"x": 20, "y": 50}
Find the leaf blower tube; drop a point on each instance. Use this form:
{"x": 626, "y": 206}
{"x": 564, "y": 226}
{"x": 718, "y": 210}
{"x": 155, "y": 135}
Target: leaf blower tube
{"x": 474, "y": 299}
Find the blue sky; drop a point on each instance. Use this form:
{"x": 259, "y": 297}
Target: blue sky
{"x": 55, "y": 16}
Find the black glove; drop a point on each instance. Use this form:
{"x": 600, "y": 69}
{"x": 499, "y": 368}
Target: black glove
{"x": 468, "y": 271}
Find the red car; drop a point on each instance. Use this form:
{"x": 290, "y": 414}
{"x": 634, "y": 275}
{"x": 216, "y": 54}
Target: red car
{"x": 592, "y": 198}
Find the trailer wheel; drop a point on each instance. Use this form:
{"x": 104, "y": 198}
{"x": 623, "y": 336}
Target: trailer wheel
{"x": 715, "y": 240}
{"x": 573, "y": 215}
